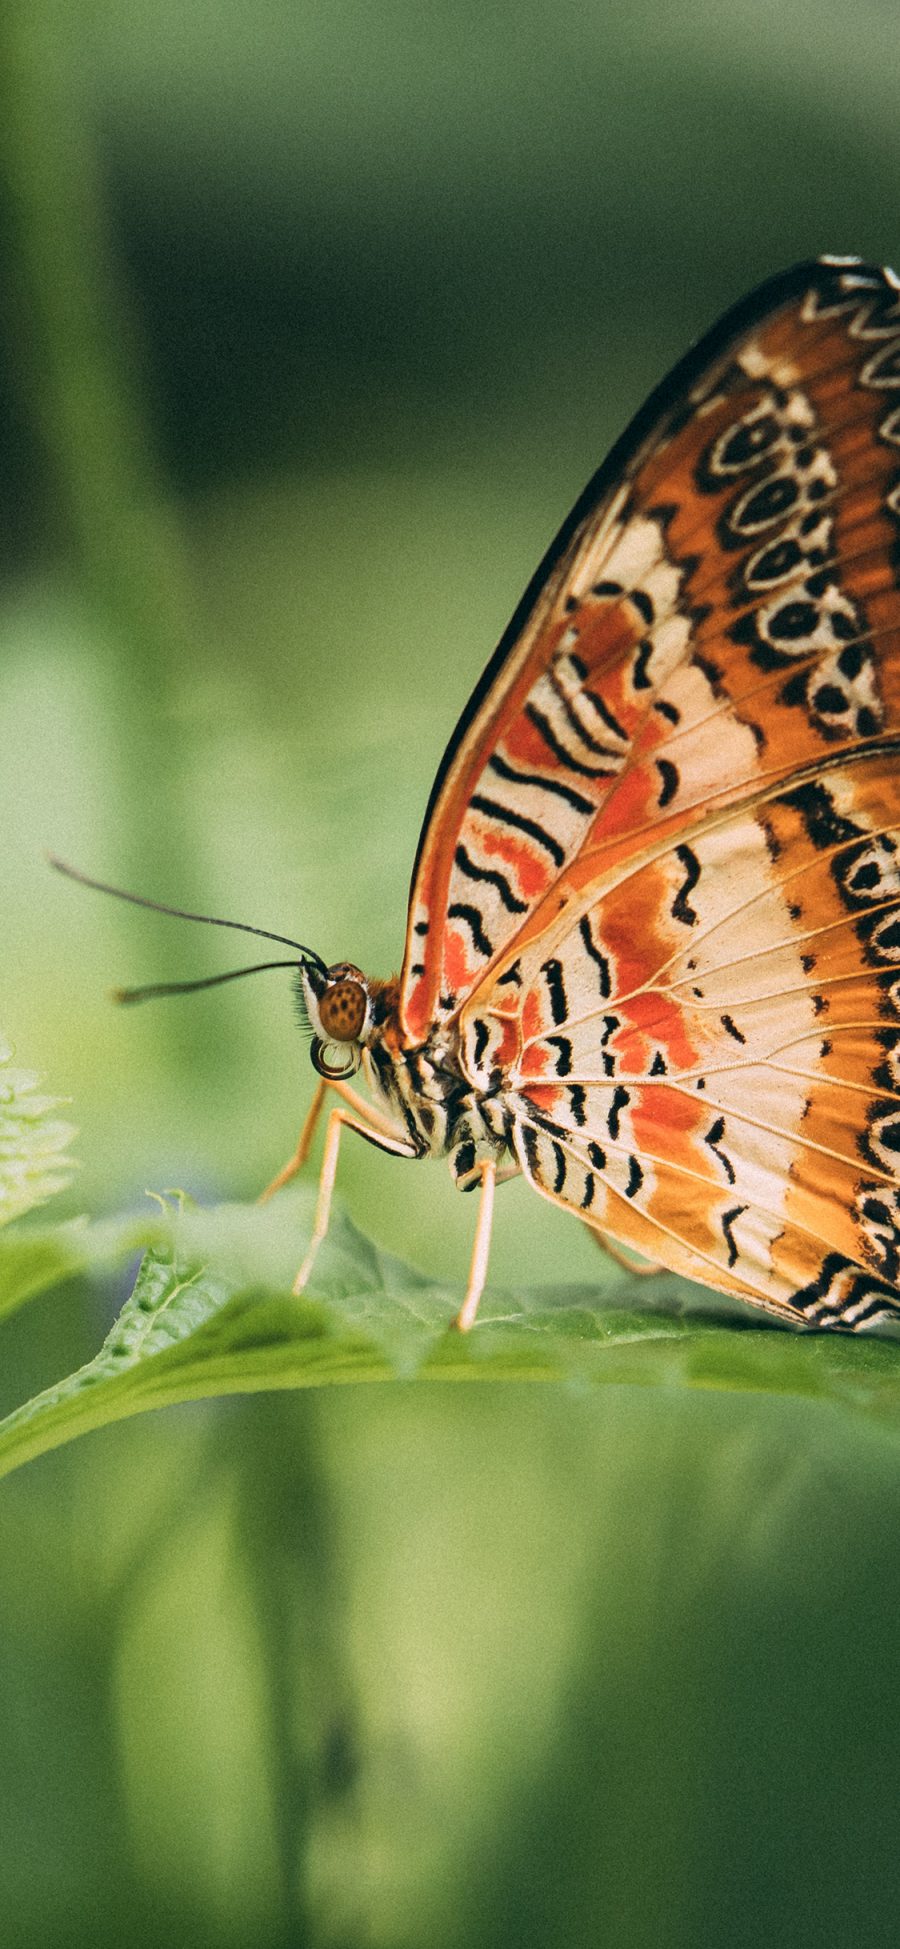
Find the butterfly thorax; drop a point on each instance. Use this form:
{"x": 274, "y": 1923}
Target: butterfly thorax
{"x": 427, "y": 1090}
{"x": 424, "y": 1087}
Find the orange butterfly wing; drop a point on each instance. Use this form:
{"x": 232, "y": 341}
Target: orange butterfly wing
{"x": 659, "y": 885}
{"x": 703, "y": 1059}
{"x": 692, "y": 631}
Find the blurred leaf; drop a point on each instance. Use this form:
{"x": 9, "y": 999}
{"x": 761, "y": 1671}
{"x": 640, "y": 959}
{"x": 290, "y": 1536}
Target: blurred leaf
{"x": 33, "y": 1142}
{"x": 211, "y": 1314}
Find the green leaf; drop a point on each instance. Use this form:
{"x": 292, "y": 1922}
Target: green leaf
{"x": 211, "y": 1313}
{"x": 33, "y": 1142}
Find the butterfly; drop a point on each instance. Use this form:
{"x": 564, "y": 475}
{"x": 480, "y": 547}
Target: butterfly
{"x": 652, "y": 956}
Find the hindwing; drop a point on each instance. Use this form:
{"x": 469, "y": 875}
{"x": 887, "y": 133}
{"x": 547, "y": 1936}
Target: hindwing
{"x": 702, "y": 1056}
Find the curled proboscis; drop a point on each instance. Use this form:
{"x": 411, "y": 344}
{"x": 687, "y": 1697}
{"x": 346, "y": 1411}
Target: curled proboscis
{"x": 332, "y": 1071}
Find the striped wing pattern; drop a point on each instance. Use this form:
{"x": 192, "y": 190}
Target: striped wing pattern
{"x": 658, "y": 890}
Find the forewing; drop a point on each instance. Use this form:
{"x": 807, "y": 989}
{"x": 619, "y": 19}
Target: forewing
{"x": 718, "y": 612}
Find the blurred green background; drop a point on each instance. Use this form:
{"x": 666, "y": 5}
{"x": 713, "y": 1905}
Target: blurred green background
{"x": 314, "y": 321}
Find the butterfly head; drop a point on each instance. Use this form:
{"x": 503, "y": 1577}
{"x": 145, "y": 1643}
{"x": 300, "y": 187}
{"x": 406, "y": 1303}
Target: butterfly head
{"x": 338, "y": 1004}
{"x": 335, "y": 1003}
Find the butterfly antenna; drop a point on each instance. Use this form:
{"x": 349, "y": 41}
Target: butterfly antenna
{"x": 180, "y": 913}
{"x": 157, "y": 988}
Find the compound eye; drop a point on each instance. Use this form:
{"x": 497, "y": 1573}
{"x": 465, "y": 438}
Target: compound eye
{"x": 342, "y": 1009}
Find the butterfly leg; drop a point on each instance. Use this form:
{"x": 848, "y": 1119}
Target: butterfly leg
{"x": 304, "y": 1141}
{"x": 465, "y": 1318}
{"x": 338, "y": 1121}
{"x": 304, "y": 1145}
{"x": 646, "y": 1270}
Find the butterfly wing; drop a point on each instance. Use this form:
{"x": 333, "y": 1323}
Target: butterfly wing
{"x": 719, "y": 610}
{"x": 659, "y": 885}
{"x": 703, "y": 1056}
